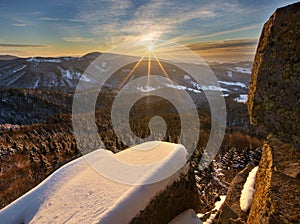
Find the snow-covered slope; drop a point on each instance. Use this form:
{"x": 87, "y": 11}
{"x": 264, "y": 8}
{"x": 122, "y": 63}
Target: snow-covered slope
{"x": 36, "y": 73}
{"x": 77, "y": 193}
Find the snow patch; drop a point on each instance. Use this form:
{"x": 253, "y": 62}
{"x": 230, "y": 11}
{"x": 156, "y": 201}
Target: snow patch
{"x": 243, "y": 70}
{"x": 15, "y": 78}
{"x": 19, "y": 69}
{"x": 214, "y": 88}
{"x": 184, "y": 88}
{"x": 65, "y": 73}
{"x": 209, "y": 87}
{"x": 229, "y": 73}
{"x": 84, "y": 78}
{"x": 187, "y": 217}
{"x": 71, "y": 58}
{"x": 248, "y": 190}
{"x": 187, "y": 77}
{"x": 233, "y": 84}
{"x": 243, "y": 98}
{"x": 218, "y": 204}
{"x": 146, "y": 89}
{"x": 46, "y": 60}
{"x": 36, "y": 83}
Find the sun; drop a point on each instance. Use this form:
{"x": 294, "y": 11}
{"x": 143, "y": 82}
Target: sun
{"x": 150, "y": 47}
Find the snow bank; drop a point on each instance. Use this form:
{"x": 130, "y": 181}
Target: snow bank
{"x": 248, "y": 191}
{"x": 187, "y": 217}
{"x": 78, "y": 193}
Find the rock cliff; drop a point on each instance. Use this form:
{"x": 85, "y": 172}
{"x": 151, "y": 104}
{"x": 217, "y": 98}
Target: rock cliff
{"x": 274, "y": 93}
{"x": 274, "y": 104}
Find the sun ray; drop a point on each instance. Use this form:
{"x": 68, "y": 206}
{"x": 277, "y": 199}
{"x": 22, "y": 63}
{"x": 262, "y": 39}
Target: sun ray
{"x": 149, "y": 68}
{"x": 161, "y": 66}
{"x": 165, "y": 73}
{"x": 130, "y": 73}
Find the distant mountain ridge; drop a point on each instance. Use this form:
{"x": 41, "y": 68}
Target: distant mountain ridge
{"x": 8, "y": 57}
{"x": 43, "y": 72}
{"x": 65, "y": 72}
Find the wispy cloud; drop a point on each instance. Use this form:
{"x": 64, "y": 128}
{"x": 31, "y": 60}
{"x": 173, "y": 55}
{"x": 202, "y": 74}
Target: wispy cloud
{"x": 60, "y": 19}
{"x": 77, "y": 39}
{"x": 227, "y": 50}
{"x": 155, "y": 16}
{"x": 22, "y": 45}
{"x": 223, "y": 44}
{"x": 19, "y": 24}
{"x": 105, "y": 24}
{"x": 255, "y": 26}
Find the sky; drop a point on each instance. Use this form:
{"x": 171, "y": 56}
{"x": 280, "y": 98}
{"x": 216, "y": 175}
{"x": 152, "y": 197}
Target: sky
{"x": 220, "y": 30}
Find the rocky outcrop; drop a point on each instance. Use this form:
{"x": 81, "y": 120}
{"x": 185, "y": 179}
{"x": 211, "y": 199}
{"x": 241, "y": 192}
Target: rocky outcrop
{"x": 230, "y": 211}
{"x": 274, "y": 103}
{"x": 277, "y": 187}
{"x": 274, "y": 93}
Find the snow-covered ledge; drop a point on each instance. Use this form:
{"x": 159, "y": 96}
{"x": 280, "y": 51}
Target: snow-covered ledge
{"x": 248, "y": 190}
{"x": 78, "y": 193}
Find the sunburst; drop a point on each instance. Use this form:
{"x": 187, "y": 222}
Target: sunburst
{"x": 149, "y": 55}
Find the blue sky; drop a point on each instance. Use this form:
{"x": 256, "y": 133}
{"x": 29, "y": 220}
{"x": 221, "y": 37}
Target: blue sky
{"x": 66, "y": 27}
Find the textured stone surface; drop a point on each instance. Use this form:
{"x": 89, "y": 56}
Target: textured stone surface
{"x": 274, "y": 92}
{"x": 274, "y": 103}
{"x": 230, "y": 211}
{"x": 277, "y": 193}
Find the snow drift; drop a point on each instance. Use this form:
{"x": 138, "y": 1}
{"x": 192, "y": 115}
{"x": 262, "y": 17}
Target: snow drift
{"x": 248, "y": 191}
{"x": 78, "y": 193}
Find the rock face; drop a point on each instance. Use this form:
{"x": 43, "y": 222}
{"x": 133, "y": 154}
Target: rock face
{"x": 274, "y": 92}
{"x": 274, "y": 103}
{"x": 277, "y": 187}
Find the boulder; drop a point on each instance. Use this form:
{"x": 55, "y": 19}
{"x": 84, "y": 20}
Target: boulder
{"x": 274, "y": 104}
{"x": 274, "y": 91}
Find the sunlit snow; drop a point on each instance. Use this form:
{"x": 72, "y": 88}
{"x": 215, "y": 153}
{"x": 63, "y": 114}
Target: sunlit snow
{"x": 77, "y": 193}
{"x": 248, "y": 190}
{"x": 233, "y": 84}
